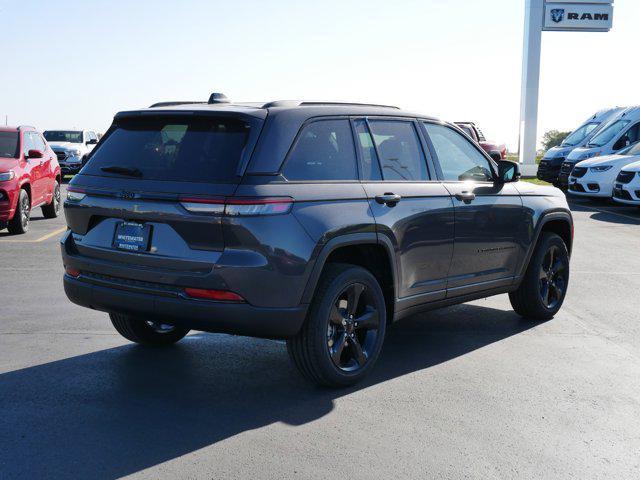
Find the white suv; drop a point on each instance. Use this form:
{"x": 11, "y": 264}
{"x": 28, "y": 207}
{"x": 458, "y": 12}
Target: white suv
{"x": 71, "y": 147}
{"x": 627, "y": 186}
{"x": 596, "y": 177}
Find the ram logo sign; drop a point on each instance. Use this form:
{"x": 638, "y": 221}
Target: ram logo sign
{"x": 578, "y": 16}
{"x": 557, "y": 14}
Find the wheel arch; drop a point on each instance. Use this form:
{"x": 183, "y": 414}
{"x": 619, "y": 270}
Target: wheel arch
{"x": 559, "y": 222}
{"x": 362, "y": 249}
{"x": 27, "y": 187}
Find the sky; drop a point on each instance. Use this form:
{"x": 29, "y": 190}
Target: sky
{"x": 74, "y": 64}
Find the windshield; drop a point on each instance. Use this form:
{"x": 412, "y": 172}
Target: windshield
{"x": 9, "y": 144}
{"x": 175, "y": 149}
{"x": 608, "y": 134}
{"x": 579, "y": 134}
{"x": 63, "y": 136}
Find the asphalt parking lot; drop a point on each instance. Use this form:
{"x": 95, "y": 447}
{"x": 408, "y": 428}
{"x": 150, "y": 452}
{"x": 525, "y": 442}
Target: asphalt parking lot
{"x": 465, "y": 392}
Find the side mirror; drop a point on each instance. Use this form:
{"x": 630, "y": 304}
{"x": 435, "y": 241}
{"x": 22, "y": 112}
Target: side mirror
{"x": 508, "y": 171}
{"x": 93, "y": 141}
{"x": 34, "y": 154}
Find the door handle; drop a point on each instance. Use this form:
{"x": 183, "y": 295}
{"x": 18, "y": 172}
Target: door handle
{"x": 388, "y": 199}
{"x": 466, "y": 197}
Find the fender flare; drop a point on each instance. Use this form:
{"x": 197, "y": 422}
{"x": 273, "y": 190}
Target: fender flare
{"x": 343, "y": 241}
{"x": 544, "y": 219}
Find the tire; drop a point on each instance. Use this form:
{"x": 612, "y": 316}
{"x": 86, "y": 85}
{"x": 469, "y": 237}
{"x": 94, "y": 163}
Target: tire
{"x": 144, "y": 332}
{"x": 343, "y": 333}
{"x": 52, "y": 210}
{"x": 544, "y": 286}
{"x": 19, "y": 224}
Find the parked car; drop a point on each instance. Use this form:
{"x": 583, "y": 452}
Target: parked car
{"x": 318, "y": 223}
{"x": 627, "y": 186}
{"x": 29, "y": 178}
{"x": 71, "y": 147}
{"x": 619, "y": 132}
{"x": 595, "y": 177}
{"x": 551, "y": 162}
{"x": 498, "y": 151}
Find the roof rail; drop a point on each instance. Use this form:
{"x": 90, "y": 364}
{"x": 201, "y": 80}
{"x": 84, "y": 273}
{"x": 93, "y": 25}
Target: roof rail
{"x": 282, "y": 103}
{"x": 354, "y": 104}
{"x": 172, "y": 104}
{"x": 26, "y": 126}
{"x": 298, "y": 103}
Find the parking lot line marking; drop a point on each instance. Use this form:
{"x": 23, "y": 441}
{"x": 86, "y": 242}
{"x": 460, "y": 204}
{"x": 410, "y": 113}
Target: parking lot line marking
{"x": 38, "y": 240}
{"x": 637, "y": 219}
{"x": 49, "y": 235}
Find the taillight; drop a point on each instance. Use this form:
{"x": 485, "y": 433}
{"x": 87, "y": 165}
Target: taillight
{"x": 238, "y": 206}
{"x": 75, "y": 194}
{"x": 258, "y": 206}
{"x": 217, "y": 295}
{"x": 209, "y": 205}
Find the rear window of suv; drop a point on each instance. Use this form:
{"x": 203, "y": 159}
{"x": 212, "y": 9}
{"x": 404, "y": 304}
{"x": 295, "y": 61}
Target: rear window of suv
{"x": 173, "y": 148}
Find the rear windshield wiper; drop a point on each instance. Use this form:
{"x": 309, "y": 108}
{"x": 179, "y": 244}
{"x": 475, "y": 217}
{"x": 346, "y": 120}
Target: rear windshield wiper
{"x": 130, "y": 172}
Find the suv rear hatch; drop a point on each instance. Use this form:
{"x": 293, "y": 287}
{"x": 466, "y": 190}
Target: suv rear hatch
{"x": 153, "y": 190}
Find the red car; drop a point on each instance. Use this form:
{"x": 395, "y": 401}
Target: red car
{"x": 29, "y": 177}
{"x": 498, "y": 151}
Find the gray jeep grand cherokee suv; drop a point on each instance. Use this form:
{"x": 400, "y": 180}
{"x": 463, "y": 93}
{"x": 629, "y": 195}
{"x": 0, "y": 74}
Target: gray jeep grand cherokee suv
{"x": 318, "y": 223}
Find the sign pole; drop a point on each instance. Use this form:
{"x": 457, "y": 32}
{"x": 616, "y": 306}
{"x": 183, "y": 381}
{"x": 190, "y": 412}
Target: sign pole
{"x": 552, "y": 15}
{"x": 530, "y": 86}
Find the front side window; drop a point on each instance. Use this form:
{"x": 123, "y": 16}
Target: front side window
{"x": 63, "y": 136}
{"x": 631, "y": 150}
{"x": 27, "y": 143}
{"x": 606, "y": 135}
{"x": 400, "y": 154}
{"x": 9, "y": 144}
{"x": 38, "y": 142}
{"x": 458, "y": 158}
{"x": 173, "y": 149}
{"x": 324, "y": 150}
{"x": 630, "y": 137}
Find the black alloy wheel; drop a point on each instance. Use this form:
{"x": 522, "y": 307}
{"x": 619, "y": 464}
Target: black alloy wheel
{"x": 342, "y": 336}
{"x": 353, "y": 327}
{"x": 552, "y": 278}
{"x": 544, "y": 285}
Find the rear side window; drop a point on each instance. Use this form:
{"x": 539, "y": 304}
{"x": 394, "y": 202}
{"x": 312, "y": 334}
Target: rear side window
{"x": 458, "y": 158}
{"x": 399, "y": 150}
{"x": 324, "y": 150}
{"x": 9, "y": 144}
{"x": 173, "y": 149}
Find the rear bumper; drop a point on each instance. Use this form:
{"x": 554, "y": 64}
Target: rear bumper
{"x": 209, "y": 316}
